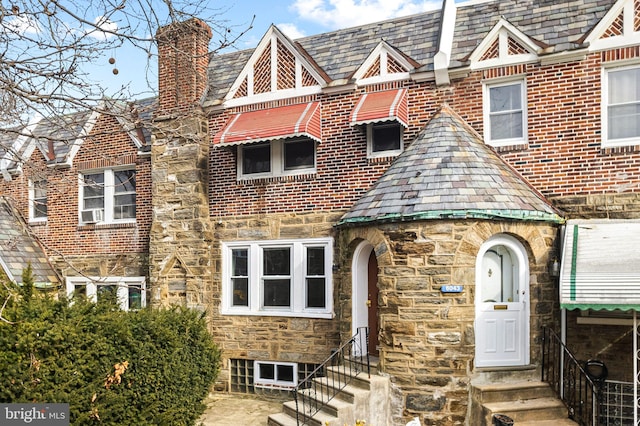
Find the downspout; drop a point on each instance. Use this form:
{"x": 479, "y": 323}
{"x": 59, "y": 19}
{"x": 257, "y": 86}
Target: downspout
{"x": 442, "y": 58}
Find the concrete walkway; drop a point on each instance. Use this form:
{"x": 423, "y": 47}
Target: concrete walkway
{"x": 225, "y": 409}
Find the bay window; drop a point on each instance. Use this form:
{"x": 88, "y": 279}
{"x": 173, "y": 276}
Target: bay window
{"x": 283, "y": 277}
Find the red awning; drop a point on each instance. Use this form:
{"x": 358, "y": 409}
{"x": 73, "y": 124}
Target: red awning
{"x": 381, "y": 106}
{"x": 269, "y": 124}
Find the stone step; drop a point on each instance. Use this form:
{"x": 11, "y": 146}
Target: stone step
{"x": 340, "y": 374}
{"x": 512, "y": 391}
{"x": 555, "y": 422}
{"x": 328, "y": 415}
{"x": 346, "y": 392}
{"x": 526, "y": 410}
{"x": 281, "y": 419}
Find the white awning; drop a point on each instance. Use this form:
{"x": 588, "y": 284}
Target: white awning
{"x": 601, "y": 265}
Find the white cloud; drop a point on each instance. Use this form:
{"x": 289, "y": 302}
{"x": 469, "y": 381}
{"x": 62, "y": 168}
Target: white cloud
{"x": 23, "y": 25}
{"x": 291, "y": 30}
{"x": 103, "y": 24}
{"x": 334, "y": 14}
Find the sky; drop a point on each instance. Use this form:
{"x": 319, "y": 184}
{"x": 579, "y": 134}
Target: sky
{"x": 296, "y": 18}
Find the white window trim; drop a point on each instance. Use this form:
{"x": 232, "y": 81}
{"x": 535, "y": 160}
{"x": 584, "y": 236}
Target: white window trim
{"x": 277, "y": 162}
{"x": 486, "y": 86}
{"x": 298, "y": 285}
{"x": 123, "y": 283}
{"x": 259, "y": 382}
{"x": 604, "y": 108}
{"x": 32, "y": 199}
{"x": 382, "y": 154}
{"x": 108, "y": 195}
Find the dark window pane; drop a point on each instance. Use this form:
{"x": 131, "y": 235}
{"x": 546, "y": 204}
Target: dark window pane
{"x": 386, "y": 138}
{"x": 256, "y": 159}
{"x": 277, "y": 261}
{"x": 299, "y": 154}
{"x": 135, "y": 296}
{"x": 240, "y": 291}
{"x": 315, "y": 260}
{"x": 239, "y": 262}
{"x": 93, "y": 191}
{"x": 285, "y": 373}
{"x": 124, "y": 181}
{"x": 316, "y": 293}
{"x": 277, "y": 292}
{"x": 267, "y": 371}
{"x": 40, "y": 199}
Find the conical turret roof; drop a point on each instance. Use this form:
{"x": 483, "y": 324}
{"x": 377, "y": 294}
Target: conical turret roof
{"x": 449, "y": 172}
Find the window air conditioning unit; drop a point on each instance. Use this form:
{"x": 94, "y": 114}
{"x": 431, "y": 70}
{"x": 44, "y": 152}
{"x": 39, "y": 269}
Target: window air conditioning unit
{"x": 92, "y": 216}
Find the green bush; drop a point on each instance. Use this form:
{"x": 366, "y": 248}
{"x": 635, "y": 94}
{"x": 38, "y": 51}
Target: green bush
{"x": 146, "y": 367}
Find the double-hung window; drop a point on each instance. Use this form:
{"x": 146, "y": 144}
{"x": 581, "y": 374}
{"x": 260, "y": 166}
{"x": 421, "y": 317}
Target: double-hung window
{"x": 277, "y": 158}
{"x": 621, "y": 106}
{"x": 130, "y": 292}
{"x": 108, "y": 196}
{"x": 282, "y": 277}
{"x": 384, "y": 139}
{"x": 505, "y": 113}
{"x": 38, "y": 200}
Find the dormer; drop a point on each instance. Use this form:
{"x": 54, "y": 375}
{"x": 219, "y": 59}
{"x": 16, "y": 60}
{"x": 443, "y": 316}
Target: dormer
{"x": 504, "y": 45}
{"x": 620, "y": 27}
{"x": 277, "y": 69}
{"x": 385, "y": 63}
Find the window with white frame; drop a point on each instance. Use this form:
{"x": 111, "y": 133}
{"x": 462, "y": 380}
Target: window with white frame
{"x": 282, "y": 277}
{"x": 108, "y": 196}
{"x": 38, "y": 200}
{"x": 283, "y": 375}
{"x": 277, "y": 158}
{"x": 129, "y": 291}
{"x": 621, "y": 106}
{"x": 384, "y": 139}
{"x": 505, "y": 113}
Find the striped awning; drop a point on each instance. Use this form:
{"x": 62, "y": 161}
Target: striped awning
{"x": 375, "y": 107}
{"x": 601, "y": 265}
{"x": 273, "y": 123}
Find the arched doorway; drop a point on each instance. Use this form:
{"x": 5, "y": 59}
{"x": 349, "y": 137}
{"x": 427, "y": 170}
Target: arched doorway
{"x": 365, "y": 293}
{"x": 502, "y": 303}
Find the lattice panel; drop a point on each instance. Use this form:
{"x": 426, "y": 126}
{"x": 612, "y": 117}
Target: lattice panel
{"x": 286, "y": 68}
{"x": 394, "y": 66}
{"x": 515, "y": 48}
{"x": 636, "y": 14}
{"x": 374, "y": 70}
{"x": 492, "y": 52}
{"x": 262, "y": 72}
{"x": 307, "y": 79}
{"x": 616, "y": 28}
{"x": 243, "y": 90}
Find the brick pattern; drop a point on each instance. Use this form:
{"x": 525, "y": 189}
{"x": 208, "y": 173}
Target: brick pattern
{"x": 243, "y": 89}
{"x": 636, "y": 19}
{"x": 262, "y": 72}
{"x": 394, "y": 66}
{"x": 492, "y": 52}
{"x": 374, "y": 70}
{"x": 616, "y": 28}
{"x": 286, "y": 68}
{"x": 515, "y": 48}
{"x": 307, "y": 79}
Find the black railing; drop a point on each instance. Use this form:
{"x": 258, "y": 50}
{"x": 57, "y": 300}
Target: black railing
{"x": 569, "y": 380}
{"x": 332, "y": 376}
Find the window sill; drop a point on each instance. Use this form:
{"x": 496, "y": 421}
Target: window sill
{"x": 92, "y": 226}
{"x": 38, "y": 222}
{"x": 318, "y": 315}
{"x": 245, "y": 180}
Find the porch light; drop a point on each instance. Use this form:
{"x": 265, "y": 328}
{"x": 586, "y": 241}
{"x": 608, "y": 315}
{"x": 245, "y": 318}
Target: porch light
{"x": 554, "y": 268}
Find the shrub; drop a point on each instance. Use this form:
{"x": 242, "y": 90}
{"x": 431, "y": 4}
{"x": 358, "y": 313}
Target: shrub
{"x": 146, "y": 367}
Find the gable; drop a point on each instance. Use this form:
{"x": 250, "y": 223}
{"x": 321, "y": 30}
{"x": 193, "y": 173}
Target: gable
{"x": 504, "y": 45}
{"x": 619, "y": 27}
{"x": 383, "y": 64}
{"x": 277, "y": 69}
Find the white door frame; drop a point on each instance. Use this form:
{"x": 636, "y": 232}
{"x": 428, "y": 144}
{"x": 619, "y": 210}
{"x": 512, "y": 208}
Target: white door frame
{"x": 360, "y": 286}
{"x": 523, "y": 279}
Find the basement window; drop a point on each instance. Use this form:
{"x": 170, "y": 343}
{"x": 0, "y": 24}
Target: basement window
{"x": 275, "y": 375}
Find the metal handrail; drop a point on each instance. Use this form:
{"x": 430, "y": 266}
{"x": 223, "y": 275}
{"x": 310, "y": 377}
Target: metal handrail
{"x": 332, "y": 376}
{"x": 569, "y": 380}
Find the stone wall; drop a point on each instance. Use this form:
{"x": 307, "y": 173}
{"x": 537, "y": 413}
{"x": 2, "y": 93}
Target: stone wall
{"x": 427, "y": 337}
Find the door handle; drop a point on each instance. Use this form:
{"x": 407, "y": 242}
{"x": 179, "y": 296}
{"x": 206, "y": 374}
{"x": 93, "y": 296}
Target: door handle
{"x": 368, "y": 303}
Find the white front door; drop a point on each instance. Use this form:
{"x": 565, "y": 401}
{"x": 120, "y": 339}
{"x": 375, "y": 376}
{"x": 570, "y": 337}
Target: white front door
{"x": 502, "y": 304}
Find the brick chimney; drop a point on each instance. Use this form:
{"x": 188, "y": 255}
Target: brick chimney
{"x": 183, "y": 57}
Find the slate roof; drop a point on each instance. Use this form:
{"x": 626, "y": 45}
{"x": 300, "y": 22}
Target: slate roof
{"x": 554, "y": 24}
{"x": 18, "y": 247}
{"x": 449, "y": 172}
